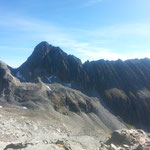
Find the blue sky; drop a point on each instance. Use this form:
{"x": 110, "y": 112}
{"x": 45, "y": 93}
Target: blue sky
{"x": 88, "y": 29}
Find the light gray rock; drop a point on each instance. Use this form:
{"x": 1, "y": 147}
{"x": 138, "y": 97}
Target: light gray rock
{"x": 127, "y": 140}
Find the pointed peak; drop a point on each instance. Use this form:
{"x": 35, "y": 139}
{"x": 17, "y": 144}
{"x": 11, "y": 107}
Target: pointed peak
{"x": 42, "y": 46}
{"x": 43, "y": 43}
{"x": 41, "y": 49}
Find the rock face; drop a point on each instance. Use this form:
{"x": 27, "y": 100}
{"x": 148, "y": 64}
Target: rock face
{"x": 127, "y": 140}
{"x": 124, "y": 87}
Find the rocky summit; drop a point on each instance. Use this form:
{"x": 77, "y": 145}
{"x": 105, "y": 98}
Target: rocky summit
{"x": 54, "y": 101}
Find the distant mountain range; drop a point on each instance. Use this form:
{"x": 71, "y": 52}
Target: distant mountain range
{"x": 123, "y": 87}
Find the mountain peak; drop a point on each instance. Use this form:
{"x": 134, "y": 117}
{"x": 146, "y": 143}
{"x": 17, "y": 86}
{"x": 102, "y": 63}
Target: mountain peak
{"x": 43, "y": 43}
{"x": 40, "y": 51}
{"x": 42, "y": 48}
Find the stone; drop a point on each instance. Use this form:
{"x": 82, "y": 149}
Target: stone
{"x": 113, "y": 147}
{"x": 126, "y": 139}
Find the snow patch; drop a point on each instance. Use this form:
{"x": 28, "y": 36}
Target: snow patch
{"x": 68, "y": 85}
{"x": 51, "y": 78}
{"x": 1, "y": 107}
{"x": 18, "y": 75}
{"x": 49, "y": 88}
{"x": 24, "y": 107}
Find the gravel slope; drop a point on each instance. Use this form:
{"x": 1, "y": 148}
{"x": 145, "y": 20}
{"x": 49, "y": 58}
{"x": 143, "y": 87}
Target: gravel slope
{"x": 42, "y": 132}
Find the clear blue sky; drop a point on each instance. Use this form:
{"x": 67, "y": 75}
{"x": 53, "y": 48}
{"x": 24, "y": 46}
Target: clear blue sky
{"x": 88, "y": 29}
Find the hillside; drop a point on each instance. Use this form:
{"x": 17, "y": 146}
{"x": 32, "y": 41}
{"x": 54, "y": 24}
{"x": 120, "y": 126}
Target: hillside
{"x": 50, "y": 115}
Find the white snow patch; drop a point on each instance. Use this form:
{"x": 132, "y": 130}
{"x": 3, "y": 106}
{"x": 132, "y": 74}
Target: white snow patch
{"x": 1, "y": 107}
{"x": 68, "y": 85}
{"x": 18, "y": 75}
{"x": 24, "y": 107}
{"x": 49, "y": 88}
{"x": 50, "y": 78}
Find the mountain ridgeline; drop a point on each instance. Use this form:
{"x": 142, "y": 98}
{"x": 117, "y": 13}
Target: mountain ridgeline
{"x": 123, "y": 86}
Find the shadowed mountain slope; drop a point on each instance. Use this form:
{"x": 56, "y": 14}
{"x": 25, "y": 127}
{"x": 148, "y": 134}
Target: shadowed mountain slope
{"x": 49, "y": 62}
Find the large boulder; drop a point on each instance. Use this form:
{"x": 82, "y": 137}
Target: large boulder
{"x": 127, "y": 140}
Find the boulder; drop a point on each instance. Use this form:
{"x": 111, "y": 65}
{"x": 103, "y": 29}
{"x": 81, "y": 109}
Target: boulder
{"x": 126, "y": 139}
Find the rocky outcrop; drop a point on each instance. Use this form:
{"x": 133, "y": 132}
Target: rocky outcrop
{"x": 7, "y": 83}
{"x": 17, "y": 146}
{"x": 127, "y": 140}
{"x": 5, "y": 76}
